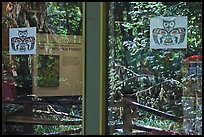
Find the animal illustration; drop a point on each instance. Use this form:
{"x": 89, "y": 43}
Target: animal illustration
{"x": 169, "y": 35}
{"x": 22, "y": 43}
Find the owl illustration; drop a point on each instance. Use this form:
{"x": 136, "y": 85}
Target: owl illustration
{"x": 22, "y": 34}
{"x": 168, "y": 25}
{"x": 22, "y": 43}
{"x": 168, "y": 35}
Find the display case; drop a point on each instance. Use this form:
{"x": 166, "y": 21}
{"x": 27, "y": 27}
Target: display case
{"x": 192, "y": 94}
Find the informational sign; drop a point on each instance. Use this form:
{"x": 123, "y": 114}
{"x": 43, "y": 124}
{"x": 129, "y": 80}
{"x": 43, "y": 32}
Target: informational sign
{"x": 58, "y": 65}
{"x": 22, "y": 41}
{"x": 168, "y": 32}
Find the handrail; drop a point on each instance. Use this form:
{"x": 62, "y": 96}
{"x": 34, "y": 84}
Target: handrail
{"x": 28, "y": 119}
{"x": 152, "y": 110}
{"x": 31, "y": 120}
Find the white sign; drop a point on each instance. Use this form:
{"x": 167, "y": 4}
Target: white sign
{"x": 22, "y": 41}
{"x": 168, "y": 32}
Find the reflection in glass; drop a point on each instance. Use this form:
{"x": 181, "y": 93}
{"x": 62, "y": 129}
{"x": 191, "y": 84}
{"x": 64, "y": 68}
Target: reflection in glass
{"x": 48, "y": 70}
{"x": 146, "y": 87}
{"x": 44, "y": 95}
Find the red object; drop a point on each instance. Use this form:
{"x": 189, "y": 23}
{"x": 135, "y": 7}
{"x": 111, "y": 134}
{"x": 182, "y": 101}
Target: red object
{"x": 6, "y": 91}
{"x": 194, "y": 58}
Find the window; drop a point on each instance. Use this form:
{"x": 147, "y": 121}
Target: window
{"x": 146, "y": 87}
{"x": 42, "y": 91}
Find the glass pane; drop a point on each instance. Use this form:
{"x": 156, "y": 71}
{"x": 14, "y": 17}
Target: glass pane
{"x": 42, "y": 68}
{"x": 192, "y": 68}
{"x": 199, "y": 69}
{"x": 150, "y": 44}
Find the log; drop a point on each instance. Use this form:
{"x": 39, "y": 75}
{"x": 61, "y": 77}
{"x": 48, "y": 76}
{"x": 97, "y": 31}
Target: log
{"x": 152, "y": 110}
{"x": 31, "y": 120}
{"x": 56, "y": 113}
{"x": 148, "y": 130}
{"x": 41, "y": 102}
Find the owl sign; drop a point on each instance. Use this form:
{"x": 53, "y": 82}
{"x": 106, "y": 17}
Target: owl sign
{"x": 22, "y": 41}
{"x": 168, "y": 32}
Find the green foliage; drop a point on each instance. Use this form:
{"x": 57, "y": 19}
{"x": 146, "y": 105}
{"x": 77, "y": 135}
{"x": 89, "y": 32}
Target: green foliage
{"x": 9, "y": 108}
{"x": 48, "y": 70}
{"x": 158, "y": 122}
{"x": 65, "y": 17}
{"x": 130, "y": 53}
{"x": 136, "y": 55}
{"x": 44, "y": 129}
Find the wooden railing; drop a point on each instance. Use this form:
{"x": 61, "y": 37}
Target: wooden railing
{"x": 25, "y": 117}
{"x": 128, "y": 126}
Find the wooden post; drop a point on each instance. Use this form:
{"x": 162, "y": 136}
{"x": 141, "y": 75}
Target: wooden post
{"x": 3, "y": 123}
{"x": 27, "y": 112}
{"x": 127, "y": 119}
